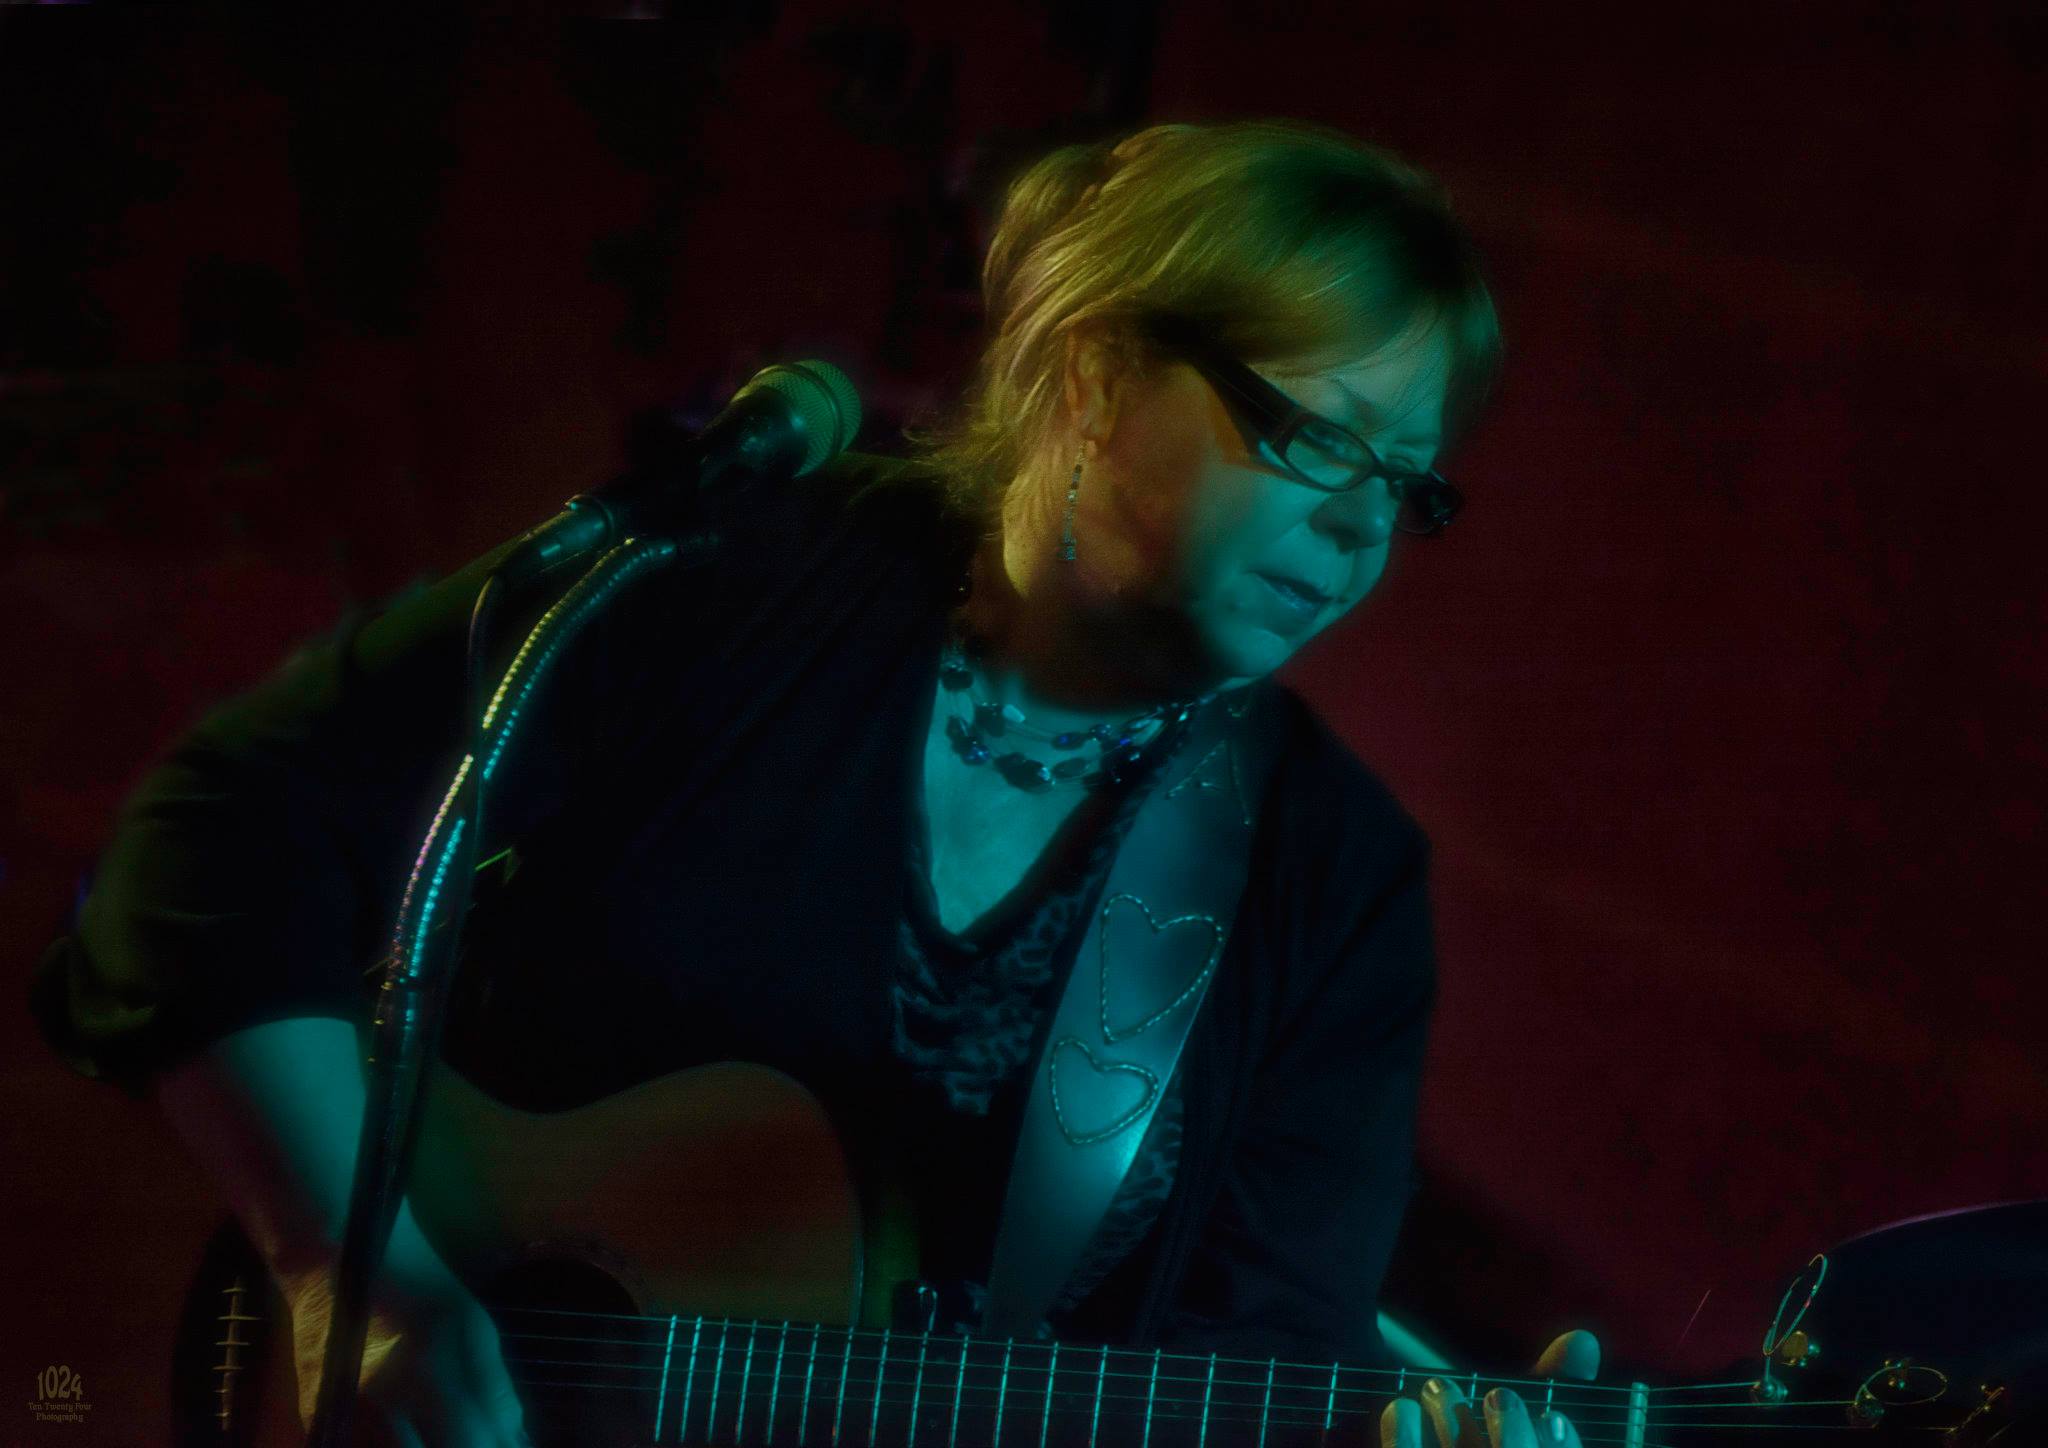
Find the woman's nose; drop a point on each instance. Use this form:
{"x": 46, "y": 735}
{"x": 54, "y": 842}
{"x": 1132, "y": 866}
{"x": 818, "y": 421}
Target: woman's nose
{"x": 1362, "y": 517}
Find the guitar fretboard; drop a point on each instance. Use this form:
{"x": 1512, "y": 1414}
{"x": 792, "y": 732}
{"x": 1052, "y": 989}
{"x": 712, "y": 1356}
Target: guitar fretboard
{"x": 794, "y": 1385}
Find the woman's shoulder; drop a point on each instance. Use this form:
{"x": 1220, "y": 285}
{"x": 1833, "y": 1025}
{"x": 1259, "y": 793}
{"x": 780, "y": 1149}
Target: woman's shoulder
{"x": 860, "y": 508}
{"x": 902, "y": 499}
{"x": 1346, "y": 864}
{"x": 1324, "y": 797}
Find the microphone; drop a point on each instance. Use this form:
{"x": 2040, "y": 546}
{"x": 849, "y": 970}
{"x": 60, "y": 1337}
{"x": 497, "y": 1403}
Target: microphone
{"x": 788, "y": 421}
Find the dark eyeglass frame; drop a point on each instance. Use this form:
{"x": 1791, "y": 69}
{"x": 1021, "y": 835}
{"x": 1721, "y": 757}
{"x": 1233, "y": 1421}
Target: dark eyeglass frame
{"x": 1426, "y": 501}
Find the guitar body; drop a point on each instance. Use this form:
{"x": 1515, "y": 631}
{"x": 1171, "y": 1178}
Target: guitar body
{"x": 721, "y": 1192}
{"x": 689, "y": 1262}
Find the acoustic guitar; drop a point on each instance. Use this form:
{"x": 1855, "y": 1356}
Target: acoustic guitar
{"x": 687, "y": 1262}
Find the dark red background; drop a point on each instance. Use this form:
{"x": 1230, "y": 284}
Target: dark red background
{"x": 1721, "y": 703}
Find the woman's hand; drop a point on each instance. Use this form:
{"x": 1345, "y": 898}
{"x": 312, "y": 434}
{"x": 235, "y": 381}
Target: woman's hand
{"x": 433, "y": 1374}
{"x": 1500, "y": 1419}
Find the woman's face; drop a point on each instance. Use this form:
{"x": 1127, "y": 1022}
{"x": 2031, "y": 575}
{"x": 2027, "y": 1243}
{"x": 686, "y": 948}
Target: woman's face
{"x": 1198, "y": 541}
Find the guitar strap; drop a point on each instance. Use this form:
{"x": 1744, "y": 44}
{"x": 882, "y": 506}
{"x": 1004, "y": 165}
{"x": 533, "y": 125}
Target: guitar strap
{"x": 1139, "y": 976}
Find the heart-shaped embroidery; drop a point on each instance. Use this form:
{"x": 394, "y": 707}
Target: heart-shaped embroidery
{"x": 1204, "y": 947}
{"x": 1088, "y": 1093}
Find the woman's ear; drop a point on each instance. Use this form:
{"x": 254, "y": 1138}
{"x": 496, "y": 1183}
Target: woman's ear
{"x": 1094, "y": 383}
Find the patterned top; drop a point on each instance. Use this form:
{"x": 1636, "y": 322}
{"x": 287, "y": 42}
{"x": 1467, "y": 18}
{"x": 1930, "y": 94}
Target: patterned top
{"x": 967, "y": 1012}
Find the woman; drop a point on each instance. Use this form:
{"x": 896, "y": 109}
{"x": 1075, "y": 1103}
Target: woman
{"x": 903, "y": 727}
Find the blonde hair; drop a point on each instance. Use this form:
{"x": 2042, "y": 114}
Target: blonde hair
{"x": 1287, "y": 240}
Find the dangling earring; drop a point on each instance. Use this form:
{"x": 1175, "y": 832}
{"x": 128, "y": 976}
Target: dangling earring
{"x": 1067, "y": 524}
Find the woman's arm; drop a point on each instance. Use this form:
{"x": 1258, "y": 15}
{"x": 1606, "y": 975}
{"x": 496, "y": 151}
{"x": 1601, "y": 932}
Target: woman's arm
{"x": 273, "y": 1113}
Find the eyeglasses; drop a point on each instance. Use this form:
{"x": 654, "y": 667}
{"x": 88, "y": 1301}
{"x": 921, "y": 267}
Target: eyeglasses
{"x": 1316, "y": 452}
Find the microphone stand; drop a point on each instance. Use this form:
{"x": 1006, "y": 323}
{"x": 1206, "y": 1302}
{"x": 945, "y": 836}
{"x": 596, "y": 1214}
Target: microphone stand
{"x": 412, "y": 1000}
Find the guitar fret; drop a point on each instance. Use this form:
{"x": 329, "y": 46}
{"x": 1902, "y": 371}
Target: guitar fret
{"x": 1208, "y": 1387}
{"x": 689, "y": 1380}
{"x": 775, "y": 1384}
{"x": 1002, "y": 1392}
{"x": 881, "y": 1370}
{"x": 959, "y": 1382}
{"x": 1151, "y": 1392}
{"x": 1095, "y": 1419}
{"x": 1052, "y": 1372}
{"x": 924, "y": 1345}
{"x": 1330, "y": 1404}
{"x": 1266, "y": 1403}
{"x": 845, "y": 1362}
{"x": 803, "y": 1420}
{"x": 717, "y": 1373}
{"x": 739, "y": 1419}
{"x": 668, "y": 1355}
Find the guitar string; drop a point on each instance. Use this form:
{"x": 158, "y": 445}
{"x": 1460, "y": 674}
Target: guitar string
{"x": 1286, "y": 1420}
{"x": 661, "y": 1322}
{"x": 976, "y": 1393}
{"x": 1564, "y": 1394}
{"x": 927, "y": 1405}
{"x": 1792, "y": 1427}
{"x": 1755, "y": 1407}
{"x": 1302, "y": 1413}
{"x": 862, "y": 1392}
{"x": 1311, "y": 1389}
{"x": 1082, "y": 1403}
{"x": 1569, "y": 1396}
{"x": 755, "y": 1326}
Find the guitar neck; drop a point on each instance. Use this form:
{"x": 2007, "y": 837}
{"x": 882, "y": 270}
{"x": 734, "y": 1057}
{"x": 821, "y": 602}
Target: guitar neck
{"x": 719, "y": 1380}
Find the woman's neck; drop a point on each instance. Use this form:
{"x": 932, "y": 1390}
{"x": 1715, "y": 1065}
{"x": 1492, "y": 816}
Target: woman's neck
{"x": 1038, "y": 654}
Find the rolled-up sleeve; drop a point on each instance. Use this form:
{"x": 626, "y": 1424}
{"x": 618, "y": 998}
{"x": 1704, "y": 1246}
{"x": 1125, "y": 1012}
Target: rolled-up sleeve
{"x": 218, "y": 904}
{"x": 254, "y": 874}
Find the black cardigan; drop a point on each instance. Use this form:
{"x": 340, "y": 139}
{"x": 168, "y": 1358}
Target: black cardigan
{"x": 728, "y": 741}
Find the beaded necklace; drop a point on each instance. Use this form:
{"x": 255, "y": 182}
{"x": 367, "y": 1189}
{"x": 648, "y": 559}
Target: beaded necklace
{"x": 976, "y": 721}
